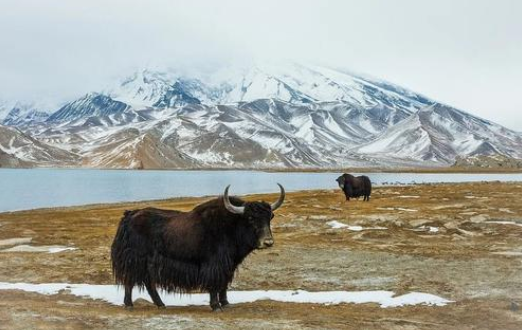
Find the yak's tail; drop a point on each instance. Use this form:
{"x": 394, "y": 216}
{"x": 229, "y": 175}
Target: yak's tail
{"x": 129, "y": 254}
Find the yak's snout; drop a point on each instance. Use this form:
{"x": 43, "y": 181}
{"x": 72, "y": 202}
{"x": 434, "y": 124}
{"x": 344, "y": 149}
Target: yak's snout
{"x": 266, "y": 240}
{"x": 265, "y": 244}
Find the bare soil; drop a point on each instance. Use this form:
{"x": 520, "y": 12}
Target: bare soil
{"x": 470, "y": 259}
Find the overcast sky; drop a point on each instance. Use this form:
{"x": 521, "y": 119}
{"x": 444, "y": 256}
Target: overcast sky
{"x": 464, "y": 53}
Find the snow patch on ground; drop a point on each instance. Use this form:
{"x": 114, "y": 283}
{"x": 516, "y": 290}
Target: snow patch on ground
{"x": 114, "y": 295}
{"x": 41, "y": 248}
{"x": 339, "y": 225}
{"x": 504, "y": 223}
{"x": 509, "y": 253}
{"x": 429, "y": 229}
{"x": 397, "y": 209}
{"x": 15, "y": 241}
{"x": 318, "y": 217}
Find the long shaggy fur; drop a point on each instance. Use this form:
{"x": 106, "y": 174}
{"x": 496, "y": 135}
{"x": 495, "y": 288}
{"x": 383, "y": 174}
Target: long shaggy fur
{"x": 183, "y": 251}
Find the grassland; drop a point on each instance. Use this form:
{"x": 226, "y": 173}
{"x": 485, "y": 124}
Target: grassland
{"x": 459, "y": 241}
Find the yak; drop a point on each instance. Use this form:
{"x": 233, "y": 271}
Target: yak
{"x": 355, "y": 186}
{"x": 198, "y": 250}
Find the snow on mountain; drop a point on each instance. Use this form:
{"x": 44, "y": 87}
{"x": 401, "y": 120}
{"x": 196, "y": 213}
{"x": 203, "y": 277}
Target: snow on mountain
{"x": 289, "y": 82}
{"x": 91, "y": 104}
{"x": 440, "y": 133}
{"x": 262, "y": 116}
{"x": 147, "y": 88}
{"x": 206, "y": 136}
{"x": 20, "y": 115}
{"x": 17, "y": 113}
{"x": 19, "y": 150}
{"x": 259, "y": 134}
{"x": 5, "y": 107}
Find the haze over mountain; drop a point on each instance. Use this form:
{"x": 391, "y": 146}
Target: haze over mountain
{"x": 463, "y": 53}
{"x": 267, "y": 115}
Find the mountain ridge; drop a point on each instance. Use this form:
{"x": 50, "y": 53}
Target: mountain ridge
{"x": 290, "y": 116}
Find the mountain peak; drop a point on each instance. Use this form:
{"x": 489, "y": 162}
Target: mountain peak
{"x": 91, "y": 104}
{"x": 288, "y": 81}
{"x": 266, "y": 115}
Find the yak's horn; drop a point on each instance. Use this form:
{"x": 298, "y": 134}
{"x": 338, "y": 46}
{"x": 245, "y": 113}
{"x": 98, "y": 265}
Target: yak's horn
{"x": 232, "y": 208}
{"x": 281, "y": 199}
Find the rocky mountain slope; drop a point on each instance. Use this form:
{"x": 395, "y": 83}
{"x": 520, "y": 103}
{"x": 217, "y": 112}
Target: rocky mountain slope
{"x": 441, "y": 133}
{"x": 269, "y": 116}
{"x": 19, "y": 150}
{"x": 485, "y": 161}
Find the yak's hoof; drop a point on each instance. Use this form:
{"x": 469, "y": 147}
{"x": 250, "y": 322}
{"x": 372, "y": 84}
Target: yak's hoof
{"x": 129, "y": 307}
{"x": 162, "y": 307}
{"x": 225, "y": 304}
{"x": 216, "y": 309}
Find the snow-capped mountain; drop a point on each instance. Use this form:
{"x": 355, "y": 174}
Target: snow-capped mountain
{"x": 262, "y": 133}
{"x": 264, "y": 116}
{"x": 440, "y": 133}
{"x": 19, "y": 150}
{"x": 19, "y": 113}
{"x": 90, "y": 105}
{"x": 5, "y": 108}
{"x": 293, "y": 83}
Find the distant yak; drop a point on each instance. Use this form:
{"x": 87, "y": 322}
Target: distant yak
{"x": 198, "y": 250}
{"x": 355, "y": 187}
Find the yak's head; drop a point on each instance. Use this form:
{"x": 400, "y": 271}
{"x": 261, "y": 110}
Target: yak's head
{"x": 257, "y": 216}
{"x": 341, "y": 181}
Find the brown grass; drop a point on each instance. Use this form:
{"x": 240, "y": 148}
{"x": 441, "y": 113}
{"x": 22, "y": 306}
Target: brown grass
{"x": 468, "y": 260}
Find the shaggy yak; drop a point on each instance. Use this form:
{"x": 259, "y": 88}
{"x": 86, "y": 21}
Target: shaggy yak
{"x": 355, "y": 186}
{"x": 190, "y": 251}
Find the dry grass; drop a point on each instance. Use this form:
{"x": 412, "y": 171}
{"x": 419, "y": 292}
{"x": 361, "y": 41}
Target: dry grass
{"x": 469, "y": 260}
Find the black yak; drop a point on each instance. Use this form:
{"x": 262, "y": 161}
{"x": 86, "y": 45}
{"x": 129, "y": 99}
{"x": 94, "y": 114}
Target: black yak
{"x": 198, "y": 250}
{"x": 355, "y": 186}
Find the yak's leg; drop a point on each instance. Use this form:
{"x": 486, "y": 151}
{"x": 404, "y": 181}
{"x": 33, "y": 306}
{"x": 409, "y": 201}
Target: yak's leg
{"x": 223, "y": 298}
{"x": 151, "y": 287}
{"x": 153, "y": 293}
{"x": 214, "y": 301}
{"x": 128, "y": 297}
{"x": 368, "y": 198}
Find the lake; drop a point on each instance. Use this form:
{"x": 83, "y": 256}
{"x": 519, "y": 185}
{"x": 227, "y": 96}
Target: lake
{"x": 23, "y": 189}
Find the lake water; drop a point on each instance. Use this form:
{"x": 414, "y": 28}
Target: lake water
{"x": 23, "y": 189}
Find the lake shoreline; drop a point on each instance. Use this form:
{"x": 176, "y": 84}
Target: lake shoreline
{"x": 52, "y": 188}
{"x": 190, "y": 199}
{"x": 442, "y": 169}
